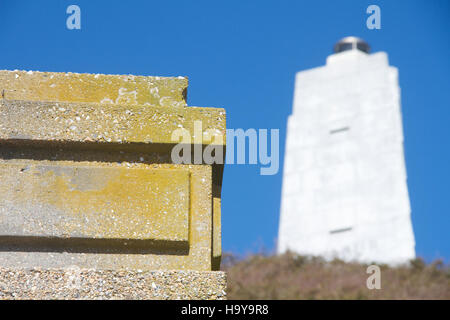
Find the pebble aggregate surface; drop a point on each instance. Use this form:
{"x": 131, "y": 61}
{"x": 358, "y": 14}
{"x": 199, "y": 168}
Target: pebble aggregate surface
{"x": 86, "y": 284}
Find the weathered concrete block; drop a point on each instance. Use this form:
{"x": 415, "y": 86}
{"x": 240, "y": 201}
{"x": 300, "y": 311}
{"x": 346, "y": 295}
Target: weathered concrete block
{"x": 78, "y": 123}
{"x": 87, "y": 180}
{"x": 89, "y": 202}
{"x": 99, "y": 88}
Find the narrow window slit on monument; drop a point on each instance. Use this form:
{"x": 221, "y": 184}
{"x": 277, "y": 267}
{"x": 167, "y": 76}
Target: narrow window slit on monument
{"x": 339, "y": 130}
{"x": 341, "y": 230}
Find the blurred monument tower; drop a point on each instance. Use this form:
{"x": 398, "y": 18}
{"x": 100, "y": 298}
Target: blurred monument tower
{"x": 344, "y": 185}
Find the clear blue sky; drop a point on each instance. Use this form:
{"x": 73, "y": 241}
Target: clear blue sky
{"x": 243, "y": 55}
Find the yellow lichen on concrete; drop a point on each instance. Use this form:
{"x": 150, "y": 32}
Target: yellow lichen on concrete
{"x": 25, "y": 209}
{"x": 97, "y": 88}
{"x": 99, "y": 202}
{"x": 87, "y": 178}
{"x": 90, "y": 122}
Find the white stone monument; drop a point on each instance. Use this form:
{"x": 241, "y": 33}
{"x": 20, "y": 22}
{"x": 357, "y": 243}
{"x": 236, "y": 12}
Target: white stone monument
{"x": 344, "y": 183}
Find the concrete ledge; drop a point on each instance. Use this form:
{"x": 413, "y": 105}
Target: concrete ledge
{"x": 74, "y": 283}
{"x": 100, "y": 88}
{"x": 106, "y": 123}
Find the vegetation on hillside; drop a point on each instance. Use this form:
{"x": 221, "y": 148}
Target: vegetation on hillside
{"x": 291, "y": 276}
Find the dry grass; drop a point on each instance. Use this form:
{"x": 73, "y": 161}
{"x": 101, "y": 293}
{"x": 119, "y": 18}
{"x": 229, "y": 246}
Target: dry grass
{"x": 291, "y": 276}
